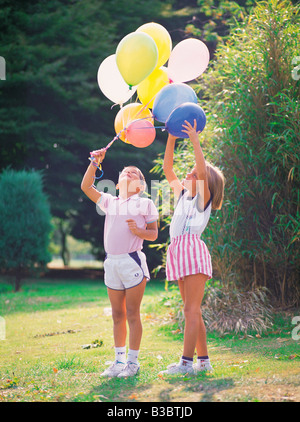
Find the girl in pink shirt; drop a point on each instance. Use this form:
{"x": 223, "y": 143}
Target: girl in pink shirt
{"x": 130, "y": 219}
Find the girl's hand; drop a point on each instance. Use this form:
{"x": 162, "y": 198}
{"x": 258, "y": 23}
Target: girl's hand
{"x": 98, "y": 155}
{"x": 132, "y": 226}
{"x": 190, "y": 130}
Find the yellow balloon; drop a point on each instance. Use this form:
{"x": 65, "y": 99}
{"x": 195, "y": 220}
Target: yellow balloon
{"x": 149, "y": 87}
{"x": 136, "y": 57}
{"x": 161, "y": 38}
{"x": 128, "y": 114}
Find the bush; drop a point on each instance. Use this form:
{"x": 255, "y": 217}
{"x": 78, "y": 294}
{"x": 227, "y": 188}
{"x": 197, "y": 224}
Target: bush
{"x": 24, "y": 223}
{"x": 227, "y": 310}
{"x": 252, "y": 134}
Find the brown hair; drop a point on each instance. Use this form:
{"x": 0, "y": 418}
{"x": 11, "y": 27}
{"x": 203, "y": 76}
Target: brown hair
{"x": 216, "y": 182}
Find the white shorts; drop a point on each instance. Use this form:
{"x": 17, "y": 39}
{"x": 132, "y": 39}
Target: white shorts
{"x": 125, "y": 271}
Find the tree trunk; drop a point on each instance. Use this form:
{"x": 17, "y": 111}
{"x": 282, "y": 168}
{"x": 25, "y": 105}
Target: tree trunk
{"x": 64, "y": 252}
{"x": 18, "y": 281}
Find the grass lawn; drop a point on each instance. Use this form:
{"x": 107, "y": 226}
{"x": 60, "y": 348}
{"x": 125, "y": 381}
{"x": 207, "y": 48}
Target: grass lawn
{"x": 51, "y": 327}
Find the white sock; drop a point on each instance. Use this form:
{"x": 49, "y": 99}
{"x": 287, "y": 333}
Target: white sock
{"x": 185, "y": 361}
{"x": 202, "y": 361}
{"x": 120, "y": 353}
{"x": 133, "y": 356}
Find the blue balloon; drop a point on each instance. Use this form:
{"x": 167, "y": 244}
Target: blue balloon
{"x": 170, "y": 97}
{"x": 189, "y": 112}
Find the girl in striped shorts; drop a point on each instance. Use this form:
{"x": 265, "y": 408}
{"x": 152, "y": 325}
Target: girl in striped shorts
{"x": 188, "y": 259}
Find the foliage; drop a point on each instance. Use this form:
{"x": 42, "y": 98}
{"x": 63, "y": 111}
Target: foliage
{"x": 227, "y": 310}
{"x": 51, "y": 110}
{"x": 24, "y": 224}
{"x": 252, "y": 103}
{"x": 254, "y": 106}
{"x": 219, "y": 17}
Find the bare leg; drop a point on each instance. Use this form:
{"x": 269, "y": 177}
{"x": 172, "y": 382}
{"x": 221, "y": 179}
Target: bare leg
{"x": 192, "y": 292}
{"x": 118, "y": 306}
{"x": 133, "y": 303}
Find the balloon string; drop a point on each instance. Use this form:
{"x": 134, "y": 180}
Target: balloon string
{"x": 149, "y": 127}
{"x": 146, "y": 105}
{"x": 99, "y": 167}
{"x": 112, "y": 141}
{"x": 98, "y": 164}
{"x": 146, "y": 118}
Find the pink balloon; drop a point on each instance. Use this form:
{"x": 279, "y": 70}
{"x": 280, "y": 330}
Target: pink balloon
{"x": 140, "y": 133}
{"x": 188, "y": 60}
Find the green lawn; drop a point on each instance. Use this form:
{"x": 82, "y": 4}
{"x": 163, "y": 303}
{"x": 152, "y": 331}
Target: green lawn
{"x": 50, "y": 325}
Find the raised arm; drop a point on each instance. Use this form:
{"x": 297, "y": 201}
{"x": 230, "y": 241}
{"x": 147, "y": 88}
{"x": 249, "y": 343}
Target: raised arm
{"x": 199, "y": 158}
{"x": 173, "y": 180}
{"x": 87, "y": 184}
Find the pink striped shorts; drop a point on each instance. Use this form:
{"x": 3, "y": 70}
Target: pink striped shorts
{"x": 187, "y": 255}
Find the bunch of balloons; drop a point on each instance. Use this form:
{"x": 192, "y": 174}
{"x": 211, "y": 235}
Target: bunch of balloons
{"x": 138, "y": 67}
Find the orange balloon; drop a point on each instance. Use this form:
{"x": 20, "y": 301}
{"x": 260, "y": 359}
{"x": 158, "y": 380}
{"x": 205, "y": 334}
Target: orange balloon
{"x": 128, "y": 114}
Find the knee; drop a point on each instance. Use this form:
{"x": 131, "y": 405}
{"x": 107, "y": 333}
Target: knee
{"x": 192, "y": 313}
{"x": 118, "y": 316}
{"x": 133, "y": 315}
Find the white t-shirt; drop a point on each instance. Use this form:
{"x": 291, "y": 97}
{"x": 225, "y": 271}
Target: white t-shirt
{"x": 188, "y": 218}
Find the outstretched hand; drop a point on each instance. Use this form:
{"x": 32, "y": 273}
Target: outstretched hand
{"x": 98, "y": 155}
{"x": 190, "y": 130}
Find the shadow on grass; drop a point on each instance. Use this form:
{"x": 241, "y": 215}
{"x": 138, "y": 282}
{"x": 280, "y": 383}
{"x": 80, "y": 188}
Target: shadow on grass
{"x": 119, "y": 389}
{"x": 201, "y": 387}
{"x": 176, "y": 388}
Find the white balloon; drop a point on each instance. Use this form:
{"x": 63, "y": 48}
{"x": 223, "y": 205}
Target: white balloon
{"x": 188, "y": 60}
{"x": 111, "y": 82}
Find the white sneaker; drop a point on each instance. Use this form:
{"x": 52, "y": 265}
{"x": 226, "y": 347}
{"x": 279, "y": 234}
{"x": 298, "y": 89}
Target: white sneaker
{"x": 203, "y": 366}
{"x": 130, "y": 370}
{"x": 178, "y": 368}
{"x": 114, "y": 369}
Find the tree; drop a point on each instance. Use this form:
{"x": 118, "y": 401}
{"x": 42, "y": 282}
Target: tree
{"x": 24, "y": 223}
{"x": 52, "y": 112}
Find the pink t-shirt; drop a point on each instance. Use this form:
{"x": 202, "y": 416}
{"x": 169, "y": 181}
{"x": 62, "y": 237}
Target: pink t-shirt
{"x": 118, "y": 239}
